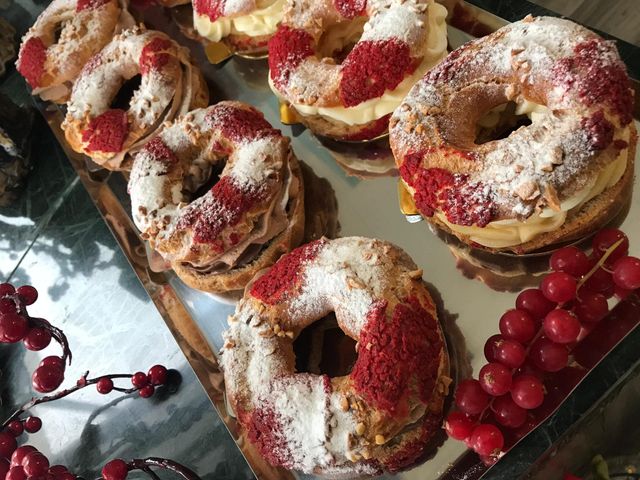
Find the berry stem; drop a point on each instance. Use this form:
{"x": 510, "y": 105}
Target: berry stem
{"x": 599, "y": 263}
{"x": 145, "y": 464}
{"x": 56, "y": 333}
{"x": 81, "y": 383}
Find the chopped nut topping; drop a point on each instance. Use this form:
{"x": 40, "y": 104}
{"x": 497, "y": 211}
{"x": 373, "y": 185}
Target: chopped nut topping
{"x": 380, "y": 440}
{"x": 360, "y": 428}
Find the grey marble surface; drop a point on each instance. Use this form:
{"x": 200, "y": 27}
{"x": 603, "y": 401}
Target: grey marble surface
{"x": 55, "y": 239}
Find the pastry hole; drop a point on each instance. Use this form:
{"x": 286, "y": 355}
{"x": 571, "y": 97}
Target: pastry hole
{"x": 499, "y": 122}
{"x": 123, "y": 98}
{"x": 338, "y": 40}
{"x": 323, "y": 348}
{"x": 201, "y": 178}
{"x": 57, "y": 31}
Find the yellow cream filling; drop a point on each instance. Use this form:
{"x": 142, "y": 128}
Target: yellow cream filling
{"x": 507, "y": 233}
{"x": 262, "y": 21}
{"x": 376, "y": 108}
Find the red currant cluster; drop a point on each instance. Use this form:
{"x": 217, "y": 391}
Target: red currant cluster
{"x": 35, "y": 333}
{"x": 28, "y": 463}
{"x": 536, "y": 339}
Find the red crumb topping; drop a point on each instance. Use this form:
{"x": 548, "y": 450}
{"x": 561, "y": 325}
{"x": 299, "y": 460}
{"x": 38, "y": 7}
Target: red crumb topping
{"x": 599, "y": 130}
{"x": 90, "y": 4}
{"x": 106, "y": 132}
{"x": 211, "y": 8}
{"x": 287, "y": 49}
{"x": 413, "y": 451}
{"x": 620, "y": 144}
{"x": 446, "y": 70}
{"x": 154, "y": 56}
{"x": 285, "y": 275}
{"x": 224, "y": 207}
{"x": 265, "y": 432}
{"x": 33, "y": 54}
{"x": 403, "y": 358}
{"x": 374, "y": 130}
{"x": 239, "y": 124}
{"x": 373, "y": 67}
{"x": 598, "y": 76}
{"x": 160, "y": 152}
{"x": 436, "y": 189}
{"x": 350, "y": 8}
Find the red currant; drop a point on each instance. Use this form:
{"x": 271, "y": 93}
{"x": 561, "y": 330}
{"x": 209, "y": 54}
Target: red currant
{"x": 104, "y": 385}
{"x": 470, "y": 397}
{"x": 7, "y": 305}
{"x": 507, "y": 413}
{"x": 52, "y": 361}
{"x": 58, "y": 470}
{"x": 527, "y": 391}
{"x": 32, "y": 424}
{"x": 600, "y": 281}
{"x": 491, "y": 347}
{"x": 116, "y": 469}
{"x": 35, "y": 464}
{"x": 4, "y": 467}
{"x": 15, "y": 428}
{"x": 28, "y": 294}
{"x": 510, "y": 353}
{"x": 561, "y": 326}
{"x": 604, "y": 239}
{"x": 13, "y": 327}
{"x": 626, "y": 273}
{"x": 8, "y": 444}
{"x": 6, "y": 289}
{"x": 487, "y": 439}
{"x": 16, "y": 473}
{"x": 20, "y": 453}
{"x": 37, "y": 339}
{"x": 157, "y": 375}
{"x": 533, "y": 301}
{"x": 139, "y": 380}
{"x": 47, "y": 378}
{"x": 622, "y": 293}
{"x": 146, "y": 392}
{"x": 559, "y": 287}
{"x": 549, "y": 356}
{"x": 458, "y": 426}
{"x": 570, "y": 260}
{"x": 495, "y": 379}
{"x": 68, "y": 476}
{"x": 518, "y": 325}
{"x": 590, "y": 307}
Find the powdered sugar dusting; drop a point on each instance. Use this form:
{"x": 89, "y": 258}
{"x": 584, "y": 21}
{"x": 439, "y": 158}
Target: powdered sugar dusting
{"x": 399, "y": 19}
{"x": 249, "y": 159}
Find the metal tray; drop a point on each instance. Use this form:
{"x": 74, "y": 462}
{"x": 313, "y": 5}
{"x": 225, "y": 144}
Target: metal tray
{"x": 469, "y": 308}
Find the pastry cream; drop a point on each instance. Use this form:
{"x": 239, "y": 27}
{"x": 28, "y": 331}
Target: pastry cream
{"x": 507, "y": 233}
{"x": 379, "y": 107}
{"x": 262, "y": 21}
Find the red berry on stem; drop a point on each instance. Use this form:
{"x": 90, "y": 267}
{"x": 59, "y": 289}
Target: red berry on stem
{"x": 139, "y": 380}
{"x": 622, "y": 293}
{"x": 570, "y": 260}
{"x": 20, "y": 453}
{"x": 13, "y": 327}
{"x": 7, "y": 305}
{"x": 626, "y": 273}
{"x": 115, "y": 470}
{"x": 16, "y": 473}
{"x": 6, "y": 289}
{"x": 495, "y": 379}
{"x": 104, "y": 385}
{"x": 533, "y": 301}
{"x": 146, "y": 392}
{"x": 510, "y": 353}
{"x": 470, "y": 397}
{"x": 561, "y": 326}
{"x": 52, "y": 361}
{"x": 604, "y": 239}
{"x": 28, "y": 294}
{"x": 458, "y": 426}
{"x": 68, "y": 476}
{"x": 527, "y": 391}
{"x": 491, "y": 347}
{"x": 590, "y": 306}
{"x": 4, "y": 467}
{"x": 600, "y": 281}
{"x": 58, "y": 470}
{"x": 507, "y": 413}
{"x": 15, "y": 428}
{"x": 47, "y": 378}
{"x": 37, "y": 339}
{"x": 559, "y": 287}
{"x": 8, "y": 444}
{"x": 157, "y": 375}
{"x": 35, "y": 464}
{"x": 32, "y": 424}
{"x": 487, "y": 439}
{"x": 548, "y": 356}
{"x": 518, "y": 325}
